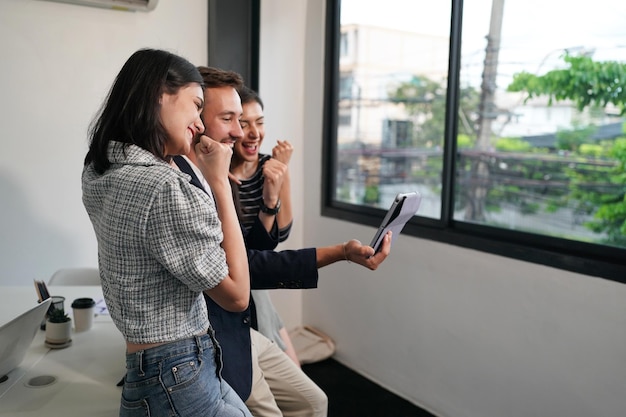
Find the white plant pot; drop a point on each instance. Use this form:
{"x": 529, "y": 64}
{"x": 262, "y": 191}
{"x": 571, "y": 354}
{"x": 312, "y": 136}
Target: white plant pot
{"x": 58, "y": 333}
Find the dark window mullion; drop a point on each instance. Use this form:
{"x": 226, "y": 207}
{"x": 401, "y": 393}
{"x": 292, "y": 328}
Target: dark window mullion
{"x": 452, "y": 110}
{"x": 331, "y": 93}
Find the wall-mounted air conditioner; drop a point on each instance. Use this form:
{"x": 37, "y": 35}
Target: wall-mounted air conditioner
{"x": 126, "y": 5}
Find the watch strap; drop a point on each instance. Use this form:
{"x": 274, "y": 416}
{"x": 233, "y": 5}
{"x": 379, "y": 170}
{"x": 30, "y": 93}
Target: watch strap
{"x": 272, "y": 211}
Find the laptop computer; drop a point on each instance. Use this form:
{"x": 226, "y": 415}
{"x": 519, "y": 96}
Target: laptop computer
{"x": 17, "y": 335}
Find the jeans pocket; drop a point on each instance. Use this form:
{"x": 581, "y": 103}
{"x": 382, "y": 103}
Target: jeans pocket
{"x": 185, "y": 371}
{"x": 134, "y": 408}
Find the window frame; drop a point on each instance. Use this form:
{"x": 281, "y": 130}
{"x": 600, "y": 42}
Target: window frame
{"x": 580, "y": 257}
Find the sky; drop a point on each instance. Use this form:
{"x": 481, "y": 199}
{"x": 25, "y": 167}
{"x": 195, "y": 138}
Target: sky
{"x": 534, "y": 32}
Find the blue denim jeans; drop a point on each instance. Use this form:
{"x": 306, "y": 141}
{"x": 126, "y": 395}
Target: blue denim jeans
{"x": 180, "y": 378}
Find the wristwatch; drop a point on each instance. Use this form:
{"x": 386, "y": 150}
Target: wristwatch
{"x": 272, "y": 211}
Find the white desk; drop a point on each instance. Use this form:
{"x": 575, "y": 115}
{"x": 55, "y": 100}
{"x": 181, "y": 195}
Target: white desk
{"x": 86, "y": 372}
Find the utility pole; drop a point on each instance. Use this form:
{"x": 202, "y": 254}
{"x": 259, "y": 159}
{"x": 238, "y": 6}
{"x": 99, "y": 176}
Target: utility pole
{"x": 487, "y": 112}
{"x": 487, "y": 107}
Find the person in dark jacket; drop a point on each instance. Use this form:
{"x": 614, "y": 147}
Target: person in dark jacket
{"x": 292, "y": 269}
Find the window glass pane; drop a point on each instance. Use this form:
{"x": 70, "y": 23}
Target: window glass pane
{"x": 551, "y": 167}
{"x": 393, "y": 64}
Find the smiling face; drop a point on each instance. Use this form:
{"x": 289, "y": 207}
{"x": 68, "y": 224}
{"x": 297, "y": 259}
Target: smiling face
{"x": 253, "y": 125}
{"x": 180, "y": 116}
{"x": 221, "y": 114}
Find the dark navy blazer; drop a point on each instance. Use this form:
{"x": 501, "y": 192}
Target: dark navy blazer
{"x": 268, "y": 270}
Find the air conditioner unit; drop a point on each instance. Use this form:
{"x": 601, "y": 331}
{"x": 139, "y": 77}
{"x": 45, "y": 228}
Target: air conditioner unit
{"x": 125, "y": 5}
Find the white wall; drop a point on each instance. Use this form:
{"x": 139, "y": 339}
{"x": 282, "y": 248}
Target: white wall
{"x": 58, "y": 61}
{"x": 281, "y": 85}
{"x": 460, "y": 332}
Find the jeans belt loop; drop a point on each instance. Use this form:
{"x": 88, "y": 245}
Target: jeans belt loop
{"x": 199, "y": 344}
{"x": 139, "y": 356}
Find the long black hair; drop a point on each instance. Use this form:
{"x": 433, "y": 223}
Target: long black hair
{"x": 248, "y": 95}
{"x": 130, "y": 113}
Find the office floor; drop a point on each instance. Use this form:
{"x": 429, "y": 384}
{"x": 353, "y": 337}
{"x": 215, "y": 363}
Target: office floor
{"x": 352, "y": 395}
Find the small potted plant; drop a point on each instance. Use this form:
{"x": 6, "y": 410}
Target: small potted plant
{"x": 58, "y": 328}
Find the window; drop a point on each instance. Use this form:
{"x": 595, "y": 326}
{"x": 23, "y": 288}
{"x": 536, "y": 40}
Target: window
{"x": 346, "y": 87}
{"x": 484, "y": 123}
{"x": 344, "y": 44}
{"x": 397, "y": 134}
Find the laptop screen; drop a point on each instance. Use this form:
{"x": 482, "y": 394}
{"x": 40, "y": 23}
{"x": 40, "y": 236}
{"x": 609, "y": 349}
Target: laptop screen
{"x": 17, "y": 335}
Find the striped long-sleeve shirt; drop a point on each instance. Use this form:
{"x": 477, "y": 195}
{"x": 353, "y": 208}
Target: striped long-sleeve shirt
{"x": 250, "y": 197}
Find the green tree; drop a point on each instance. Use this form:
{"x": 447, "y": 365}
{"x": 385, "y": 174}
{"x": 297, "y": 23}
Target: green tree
{"x": 512, "y": 145}
{"x": 372, "y": 195}
{"x": 586, "y": 82}
{"x": 425, "y": 100}
{"x": 599, "y": 187}
{"x": 572, "y": 139}
{"x": 609, "y": 198}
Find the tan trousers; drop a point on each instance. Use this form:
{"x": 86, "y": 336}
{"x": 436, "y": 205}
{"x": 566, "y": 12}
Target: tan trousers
{"x": 279, "y": 387}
